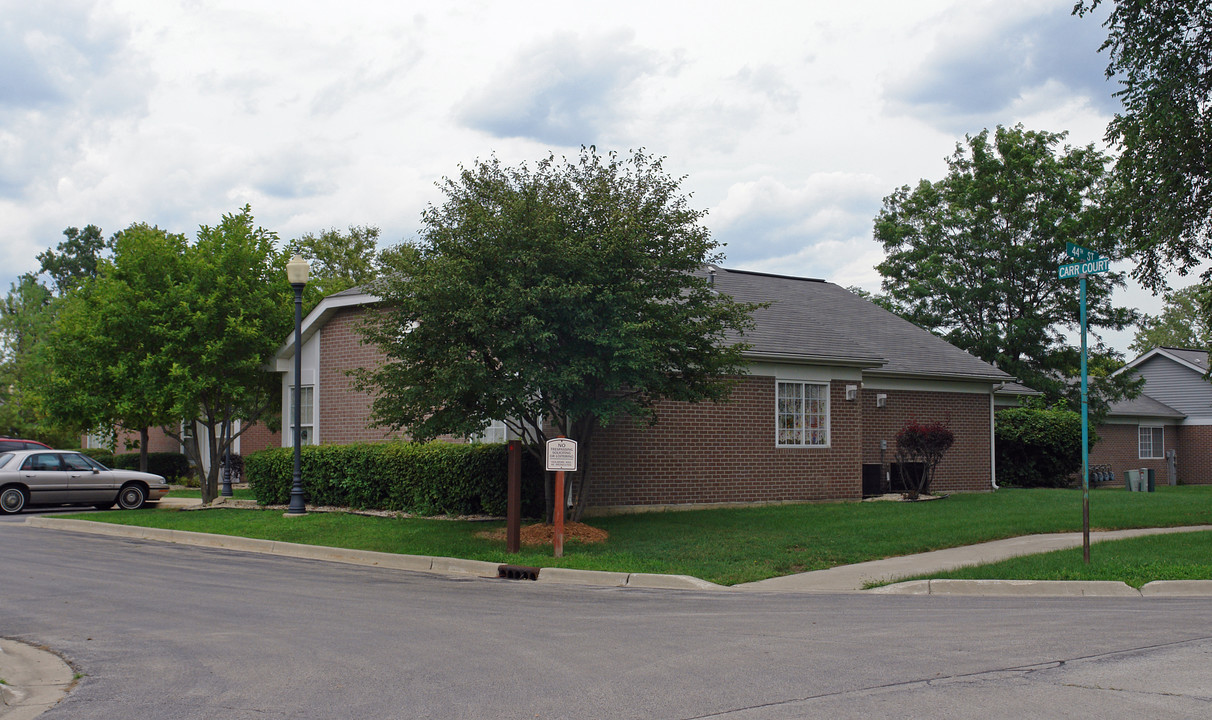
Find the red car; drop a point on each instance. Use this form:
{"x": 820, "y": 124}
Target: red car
{"x": 10, "y": 444}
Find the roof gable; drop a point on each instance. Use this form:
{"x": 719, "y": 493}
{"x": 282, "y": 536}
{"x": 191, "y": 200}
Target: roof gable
{"x": 1190, "y": 358}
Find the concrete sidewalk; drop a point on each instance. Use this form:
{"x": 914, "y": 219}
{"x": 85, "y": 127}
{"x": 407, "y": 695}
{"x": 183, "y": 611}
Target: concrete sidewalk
{"x": 34, "y": 680}
{"x": 852, "y": 578}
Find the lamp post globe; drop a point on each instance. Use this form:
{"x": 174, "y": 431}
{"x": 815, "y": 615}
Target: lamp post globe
{"x": 297, "y": 271}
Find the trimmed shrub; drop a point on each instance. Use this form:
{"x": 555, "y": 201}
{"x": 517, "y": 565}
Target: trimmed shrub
{"x": 435, "y": 478}
{"x": 923, "y": 443}
{"x": 1038, "y": 447}
{"x": 172, "y": 466}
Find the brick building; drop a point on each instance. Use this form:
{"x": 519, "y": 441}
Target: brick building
{"x": 1172, "y": 415}
{"x": 832, "y": 379}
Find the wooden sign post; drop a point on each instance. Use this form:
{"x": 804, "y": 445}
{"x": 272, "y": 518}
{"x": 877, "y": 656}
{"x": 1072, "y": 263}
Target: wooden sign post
{"x": 513, "y": 499}
{"x": 561, "y": 457}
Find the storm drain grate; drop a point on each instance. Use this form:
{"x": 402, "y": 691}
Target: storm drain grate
{"x": 517, "y": 572}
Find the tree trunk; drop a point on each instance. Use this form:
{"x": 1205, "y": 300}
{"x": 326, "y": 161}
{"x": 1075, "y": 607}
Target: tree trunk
{"x": 548, "y": 497}
{"x": 210, "y": 479}
{"x": 578, "y": 510}
{"x": 143, "y": 449}
{"x": 585, "y": 432}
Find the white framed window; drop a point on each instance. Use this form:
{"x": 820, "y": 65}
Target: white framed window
{"x": 496, "y": 432}
{"x": 1152, "y": 442}
{"x": 801, "y": 414}
{"x": 103, "y": 439}
{"x": 307, "y": 423}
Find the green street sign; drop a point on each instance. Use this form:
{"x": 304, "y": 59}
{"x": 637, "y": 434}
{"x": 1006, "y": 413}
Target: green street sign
{"x": 1097, "y": 265}
{"x": 1079, "y": 253}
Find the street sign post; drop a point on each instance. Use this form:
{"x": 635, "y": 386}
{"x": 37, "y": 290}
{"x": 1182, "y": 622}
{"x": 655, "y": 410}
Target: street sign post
{"x": 1088, "y": 262}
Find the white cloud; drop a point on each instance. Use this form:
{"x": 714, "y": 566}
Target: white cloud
{"x": 790, "y": 119}
{"x": 567, "y": 90}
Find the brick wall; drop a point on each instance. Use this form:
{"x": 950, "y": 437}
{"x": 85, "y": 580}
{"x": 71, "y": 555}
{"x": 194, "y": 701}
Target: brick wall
{"x": 1194, "y": 454}
{"x": 966, "y": 466}
{"x": 1119, "y": 447}
{"x": 344, "y": 411}
{"x": 157, "y": 441}
{"x": 259, "y": 437}
{"x": 704, "y": 453}
{"x": 724, "y": 453}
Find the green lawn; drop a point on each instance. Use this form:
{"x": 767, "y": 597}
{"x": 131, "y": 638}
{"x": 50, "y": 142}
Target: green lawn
{"x": 238, "y": 493}
{"x": 1180, "y": 556}
{"x": 727, "y": 546}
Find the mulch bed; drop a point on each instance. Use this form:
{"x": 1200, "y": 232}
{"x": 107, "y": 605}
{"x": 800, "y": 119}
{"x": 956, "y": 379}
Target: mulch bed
{"x": 540, "y": 534}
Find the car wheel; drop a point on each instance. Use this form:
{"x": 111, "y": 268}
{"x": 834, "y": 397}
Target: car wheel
{"x": 131, "y": 497}
{"x": 12, "y": 500}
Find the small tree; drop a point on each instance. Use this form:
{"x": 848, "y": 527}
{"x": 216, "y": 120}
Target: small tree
{"x": 556, "y": 299}
{"x": 924, "y": 443}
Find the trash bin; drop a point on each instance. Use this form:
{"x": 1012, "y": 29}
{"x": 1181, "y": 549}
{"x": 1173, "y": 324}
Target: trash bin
{"x": 1148, "y": 479}
{"x": 1132, "y": 480}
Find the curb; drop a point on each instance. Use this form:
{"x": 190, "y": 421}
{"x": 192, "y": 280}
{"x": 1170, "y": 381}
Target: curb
{"x": 1017, "y": 588}
{"x": 569, "y": 576}
{"x": 35, "y": 680}
{"x": 393, "y": 561}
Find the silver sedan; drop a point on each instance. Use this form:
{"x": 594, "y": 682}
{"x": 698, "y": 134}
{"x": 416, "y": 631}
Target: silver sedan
{"x": 63, "y": 477}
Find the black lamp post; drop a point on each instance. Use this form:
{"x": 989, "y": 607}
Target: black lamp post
{"x": 296, "y": 273}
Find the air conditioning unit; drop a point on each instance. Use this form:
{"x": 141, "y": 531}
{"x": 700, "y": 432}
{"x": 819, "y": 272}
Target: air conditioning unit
{"x": 881, "y": 400}
{"x": 851, "y": 392}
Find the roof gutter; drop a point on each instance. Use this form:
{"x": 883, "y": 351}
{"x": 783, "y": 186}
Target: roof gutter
{"x": 1001, "y": 377}
{"x": 860, "y": 361}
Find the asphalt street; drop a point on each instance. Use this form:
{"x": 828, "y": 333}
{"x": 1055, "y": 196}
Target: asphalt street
{"x": 167, "y": 631}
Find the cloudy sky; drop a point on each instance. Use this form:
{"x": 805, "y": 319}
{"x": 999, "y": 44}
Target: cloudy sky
{"x": 791, "y": 120}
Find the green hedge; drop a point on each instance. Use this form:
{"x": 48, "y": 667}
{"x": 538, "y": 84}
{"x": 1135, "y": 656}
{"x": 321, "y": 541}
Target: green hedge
{"x": 1038, "y": 447}
{"x": 171, "y": 466}
{"x": 435, "y": 478}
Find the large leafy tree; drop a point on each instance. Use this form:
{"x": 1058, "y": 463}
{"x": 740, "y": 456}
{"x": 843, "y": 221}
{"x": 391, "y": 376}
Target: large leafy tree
{"x": 27, "y": 317}
{"x": 973, "y": 257}
{"x": 24, "y": 319}
{"x": 1161, "y": 54}
{"x": 338, "y": 260}
{"x": 105, "y": 368}
{"x": 1183, "y": 322}
{"x": 171, "y": 331}
{"x": 76, "y": 259}
{"x": 216, "y": 329}
{"x": 557, "y": 300}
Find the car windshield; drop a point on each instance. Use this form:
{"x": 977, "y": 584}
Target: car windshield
{"x": 5, "y": 458}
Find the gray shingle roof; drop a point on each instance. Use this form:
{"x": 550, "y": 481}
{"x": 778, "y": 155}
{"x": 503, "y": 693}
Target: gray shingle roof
{"x": 814, "y": 320}
{"x": 1144, "y": 406}
{"x": 1017, "y": 389}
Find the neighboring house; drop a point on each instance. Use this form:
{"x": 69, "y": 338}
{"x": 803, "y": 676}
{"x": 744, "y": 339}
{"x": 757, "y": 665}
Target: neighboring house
{"x": 1172, "y": 413}
{"x": 1012, "y": 395}
{"x": 832, "y": 379}
{"x": 257, "y": 437}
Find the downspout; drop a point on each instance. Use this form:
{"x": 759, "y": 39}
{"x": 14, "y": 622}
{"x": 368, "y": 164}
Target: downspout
{"x": 993, "y": 438}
